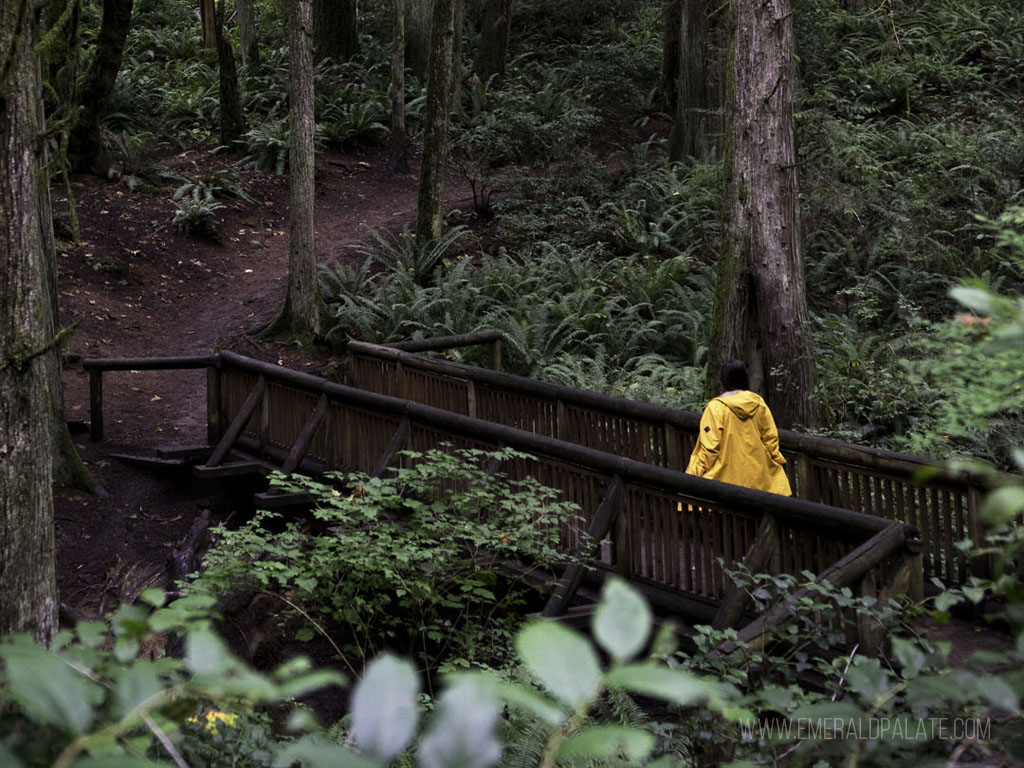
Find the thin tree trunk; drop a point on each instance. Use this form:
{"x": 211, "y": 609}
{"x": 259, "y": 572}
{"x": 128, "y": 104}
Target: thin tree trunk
{"x": 430, "y": 204}
{"x": 207, "y": 17}
{"x": 670, "y": 52}
{"x": 86, "y": 151}
{"x": 398, "y": 159}
{"x": 301, "y": 316}
{"x": 761, "y": 310}
{"x": 417, "y": 37}
{"x": 247, "y": 39}
{"x": 492, "y": 55}
{"x": 232, "y": 124}
{"x": 28, "y": 587}
{"x": 460, "y": 23}
{"x": 335, "y": 30}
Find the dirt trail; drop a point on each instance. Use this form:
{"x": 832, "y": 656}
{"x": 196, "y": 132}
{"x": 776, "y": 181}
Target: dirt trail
{"x": 139, "y": 288}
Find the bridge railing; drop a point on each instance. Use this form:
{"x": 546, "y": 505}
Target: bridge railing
{"x": 671, "y": 533}
{"x": 909, "y": 489}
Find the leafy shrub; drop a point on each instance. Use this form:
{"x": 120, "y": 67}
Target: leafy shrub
{"x": 408, "y": 562}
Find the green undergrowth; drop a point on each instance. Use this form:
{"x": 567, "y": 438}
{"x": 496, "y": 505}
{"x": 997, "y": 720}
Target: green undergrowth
{"x": 413, "y": 562}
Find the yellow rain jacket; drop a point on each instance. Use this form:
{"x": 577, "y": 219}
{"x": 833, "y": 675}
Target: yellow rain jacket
{"x": 739, "y": 444}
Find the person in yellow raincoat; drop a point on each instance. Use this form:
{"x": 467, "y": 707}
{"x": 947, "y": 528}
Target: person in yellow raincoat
{"x": 738, "y": 440}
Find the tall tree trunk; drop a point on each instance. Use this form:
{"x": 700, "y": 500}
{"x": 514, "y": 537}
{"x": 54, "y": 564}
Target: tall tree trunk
{"x": 301, "y": 316}
{"x": 460, "y": 24}
{"x": 761, "y": 310}
{"x": 232, "y": 124}
{"x": 689, "y": 134}
{"x": 430, "y": 204}
{"x": 671, "y": 12}
{"x": 492, "y": 54}
{"x": 85, "y": 149}
{"x": 335, "y": 29}
{"x": 398, "y": 159}
{"x": 417, "y": 37}
{"x": 28, "y": 586}
{"x": 208, "y": 20}
{"x": 247, "y": 39}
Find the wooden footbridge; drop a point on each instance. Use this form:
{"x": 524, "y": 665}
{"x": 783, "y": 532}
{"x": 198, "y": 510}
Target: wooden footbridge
{"x": 879, "y": 522}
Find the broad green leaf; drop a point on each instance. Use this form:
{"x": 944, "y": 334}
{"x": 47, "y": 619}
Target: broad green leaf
{"x": 310, "y": 752}
{"x": 910, "y": 657}
{"x": 154, "y": 597}
{"x": 314, "y": 681}
{"x": 561, "y": 660}
{"x": 622, "y": 621}
{"x": 462, "y": 733}
{"x": 608, "y": 741}
{"x": 133, "y": 685}
{"x": 522, "y": 697}
{"x": 673, "y": 685}
{"x": 384, "y": 712}
{"x": 206, "y": 653}
{"x": 975, "y": 299}
{"x": 999, "y": 692}
{"x": 49, "y": 689}
{"x": 91, "y": 633}
{"x": 112, "y": 761}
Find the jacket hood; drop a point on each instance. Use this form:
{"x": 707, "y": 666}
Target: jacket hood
{"x": 744, "y": 404}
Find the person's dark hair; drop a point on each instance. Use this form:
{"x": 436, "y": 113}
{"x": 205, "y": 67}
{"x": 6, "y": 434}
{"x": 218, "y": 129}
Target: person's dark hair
{"x": 733, "y": 376}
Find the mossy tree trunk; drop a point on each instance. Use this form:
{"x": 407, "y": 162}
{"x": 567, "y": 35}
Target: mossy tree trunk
{"x": 430, "y": 204}
{"x": 335, "y": 30}
{"x": 208, "y": 20}
{"x": 301, "y": 317}
{"x": 760, "y": 309}
{"x": 28, "y": 587}
{"x": 495, "y": 25}
{"x": 247, "y": 39}
{"x": 85, "y": 149}
{"x": 698, "y": 95}
{"x": 232, "y": 124}
{"x": 398, "y": 156}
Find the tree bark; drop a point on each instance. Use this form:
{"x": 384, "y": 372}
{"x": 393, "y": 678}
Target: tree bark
{"x": 301, "y": 316}
{"x": 698, "y": 94}
{"x": 85, "y": 149}
{"x": 207, "y": 17}
{"x": 28, "y": 587}
{"x": 417, "y": 37}
{"x": 492, "y": 54}
{"x": 760, "y": 309}
{"x": 247, "y": 39}
{"x": 232, "y": 124}
{"x": 430, "y": 204}
{"x": 672, "y": 11}
{"x": 335, "y": 30}
{"x": 398, "y": 159}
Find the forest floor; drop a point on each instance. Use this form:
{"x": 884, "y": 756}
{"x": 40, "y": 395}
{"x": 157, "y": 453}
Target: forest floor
{"x": 139, "y": 288}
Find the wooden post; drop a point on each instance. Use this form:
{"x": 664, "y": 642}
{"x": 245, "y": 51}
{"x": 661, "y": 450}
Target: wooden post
{"x": 95, "y": 404}
{"x": 214, "y": 406}
{"x": 672, "y": 458}
{"x": 301, "y": 445}
{"x": 229, "y": 437}
{"x": 400, "y": 386}
{"x": 981, "y": 566}
{"x": 870, "y": 634}
{"x": 471, "y": 399}
{"x": 802, "y": 475}
{"x": 603, "y": 520}
{"x": 398, "y": 442}
{"x": 561, "y": 423}
{"x": 496, "y": 355}
{"x": 760, "y": 555}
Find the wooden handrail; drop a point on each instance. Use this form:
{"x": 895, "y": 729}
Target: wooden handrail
{"x": 792, "y": 441}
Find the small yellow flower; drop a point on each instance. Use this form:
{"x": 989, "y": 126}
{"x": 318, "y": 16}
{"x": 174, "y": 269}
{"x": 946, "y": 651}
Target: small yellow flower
{"x": 214, "y": 716}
